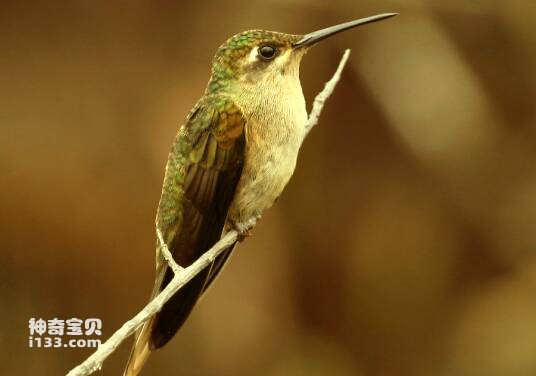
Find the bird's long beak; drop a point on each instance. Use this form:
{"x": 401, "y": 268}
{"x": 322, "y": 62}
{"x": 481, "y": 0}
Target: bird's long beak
{"x": 316, "y": 36}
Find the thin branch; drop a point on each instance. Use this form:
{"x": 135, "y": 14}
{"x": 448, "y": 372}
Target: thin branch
{"x": 321, "y": 98}
{"x": 176, "y": 268}
{"x": 183, "y": 275}
{"x": 94, "y": 362}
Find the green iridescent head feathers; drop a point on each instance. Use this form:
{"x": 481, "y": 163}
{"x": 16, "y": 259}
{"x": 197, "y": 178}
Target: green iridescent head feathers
{"x": 236, "y": 52}
{"x": 226, "y": 63}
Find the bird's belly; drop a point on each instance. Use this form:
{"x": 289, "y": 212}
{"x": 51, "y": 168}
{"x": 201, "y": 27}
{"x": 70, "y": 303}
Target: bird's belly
{"x": 270, "y": 163}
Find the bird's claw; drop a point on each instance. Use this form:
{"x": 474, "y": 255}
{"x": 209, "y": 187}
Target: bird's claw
{"x": 244, "y": 228}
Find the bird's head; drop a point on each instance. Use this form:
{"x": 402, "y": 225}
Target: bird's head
{"x": 256, "y": 56}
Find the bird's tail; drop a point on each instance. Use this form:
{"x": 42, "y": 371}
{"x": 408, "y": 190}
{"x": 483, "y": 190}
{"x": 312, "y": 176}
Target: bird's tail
{"x": 159, "y": 329}
{"x": 140, "y": 351}
{"x": 143, "y": 347}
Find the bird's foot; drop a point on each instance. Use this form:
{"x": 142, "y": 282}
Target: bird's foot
{"x": 244, "y": 228}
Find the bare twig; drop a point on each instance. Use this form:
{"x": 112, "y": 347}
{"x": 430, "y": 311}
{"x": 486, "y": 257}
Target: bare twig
{"x": 94, "y": 362}
{"x": 183, "y": 275}
{"x": 167, "y": 254}
{"x": 321, "y": 98}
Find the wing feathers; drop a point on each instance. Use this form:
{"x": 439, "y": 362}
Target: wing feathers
{"x": 203, "y": 171}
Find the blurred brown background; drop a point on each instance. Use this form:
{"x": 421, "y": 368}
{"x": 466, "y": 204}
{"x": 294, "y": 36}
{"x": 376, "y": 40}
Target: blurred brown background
{"x": 404, "y": 245}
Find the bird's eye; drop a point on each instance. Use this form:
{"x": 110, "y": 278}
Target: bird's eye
{"x": 267, "y": 52}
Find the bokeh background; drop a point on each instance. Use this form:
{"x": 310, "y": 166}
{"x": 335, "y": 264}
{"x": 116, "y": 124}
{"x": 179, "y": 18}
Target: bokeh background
{"x": 404, "y": 245}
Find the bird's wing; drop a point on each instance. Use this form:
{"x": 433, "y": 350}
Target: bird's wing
{"x": 203, "y": 170}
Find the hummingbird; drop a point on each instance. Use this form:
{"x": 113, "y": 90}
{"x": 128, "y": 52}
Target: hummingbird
{"x": 230, "y": 160}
